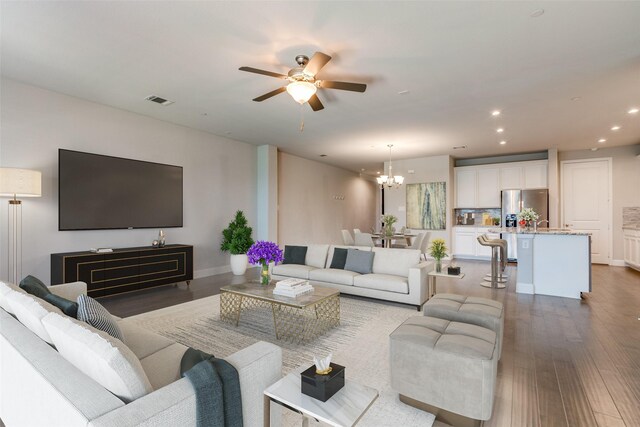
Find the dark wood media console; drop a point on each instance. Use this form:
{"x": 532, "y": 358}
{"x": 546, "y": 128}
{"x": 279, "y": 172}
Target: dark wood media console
{"x": 125, "y": 269}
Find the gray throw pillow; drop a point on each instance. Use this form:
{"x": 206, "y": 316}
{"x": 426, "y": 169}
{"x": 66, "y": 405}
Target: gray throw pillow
{"x": 359, "y": 261}
{"x": 93, "y": 313}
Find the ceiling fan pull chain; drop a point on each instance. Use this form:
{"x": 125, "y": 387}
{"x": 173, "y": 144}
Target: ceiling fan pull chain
{"x": 301, "y": 117}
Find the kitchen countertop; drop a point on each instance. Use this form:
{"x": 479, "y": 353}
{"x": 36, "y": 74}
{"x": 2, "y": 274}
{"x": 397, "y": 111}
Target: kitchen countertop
{"x": 631, "y": 227}
{"x": 475, "y": 225}
{"x": 559, "y": 231}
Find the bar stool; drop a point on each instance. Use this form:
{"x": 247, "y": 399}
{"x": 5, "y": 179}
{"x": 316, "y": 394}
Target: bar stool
{"x": 502, "y": 278}
{"x": 498, "y": 251}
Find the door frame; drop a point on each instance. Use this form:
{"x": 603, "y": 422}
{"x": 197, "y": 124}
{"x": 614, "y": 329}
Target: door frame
{"x": 609, "y": 161}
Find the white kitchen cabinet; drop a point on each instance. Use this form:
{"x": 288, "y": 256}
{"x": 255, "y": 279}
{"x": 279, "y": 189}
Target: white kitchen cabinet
{"x": 466, "y": 185}
{"x": 488, "y": 188}
{"x": 632, "y": 247}
{"x": 535, "y": 175}
{"x": 511, "y": 177}
{"x": 464, "y": 242}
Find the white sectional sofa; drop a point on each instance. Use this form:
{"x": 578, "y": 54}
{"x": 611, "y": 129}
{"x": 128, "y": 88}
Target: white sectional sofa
{"x": 398, "y": 274}
{"x": 40, "y": 387}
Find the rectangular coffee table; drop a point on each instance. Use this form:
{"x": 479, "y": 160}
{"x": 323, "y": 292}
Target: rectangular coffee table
{"x": 294, "y": 319}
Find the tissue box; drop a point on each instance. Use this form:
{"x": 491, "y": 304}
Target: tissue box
{"x": 453, "y": 271}
{"x": 322, "y": 387}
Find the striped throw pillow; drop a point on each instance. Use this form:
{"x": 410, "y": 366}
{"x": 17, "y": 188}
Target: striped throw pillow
{"x": 93, "y": 313}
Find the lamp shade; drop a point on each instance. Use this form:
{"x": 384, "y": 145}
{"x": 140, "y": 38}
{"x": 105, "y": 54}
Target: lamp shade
{"x": 301, "y": 91}
{"x": 20, "y": 182}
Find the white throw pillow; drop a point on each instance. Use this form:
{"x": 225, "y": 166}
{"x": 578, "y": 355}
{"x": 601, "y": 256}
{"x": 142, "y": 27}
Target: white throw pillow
{"x": 30, "y": 311}
{"x": 100, "y": 356}
{"x": 5, "y": 290}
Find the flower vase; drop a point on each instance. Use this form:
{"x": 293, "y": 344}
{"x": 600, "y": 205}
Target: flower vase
{"x": 438, "y": 266}
{"x": 264, "y": 274}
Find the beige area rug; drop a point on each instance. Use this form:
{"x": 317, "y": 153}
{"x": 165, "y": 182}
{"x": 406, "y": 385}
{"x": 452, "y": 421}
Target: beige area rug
{"x": 360, "y": 343}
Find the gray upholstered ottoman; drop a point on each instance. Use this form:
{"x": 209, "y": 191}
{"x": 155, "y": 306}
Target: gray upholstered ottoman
{"x": 477, "y": 311}
{"x": 446, "y": 368}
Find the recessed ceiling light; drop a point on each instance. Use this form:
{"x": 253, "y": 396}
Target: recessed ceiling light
{"x": 602, "y": 140}
{"x": 576, "y": 98}
{"x": 495, "y": 113}
{"x": 633, "y": 111}
{"x": 594, "y": 149}
{"x": 537, "y": 13}
{"x": 616, "y": 127}
{"x": 403, "y": 92}
{"x": 503, "y": 142}
{"x": 361, "y": 169}
{"x": 500, "y": 130}
{"x": 378, "y": 172}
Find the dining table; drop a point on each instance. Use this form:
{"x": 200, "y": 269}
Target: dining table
{"x": 388, "y": 240}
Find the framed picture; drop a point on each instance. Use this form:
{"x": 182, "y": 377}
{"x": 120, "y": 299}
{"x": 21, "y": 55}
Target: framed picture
{"x": 426, "y": 206}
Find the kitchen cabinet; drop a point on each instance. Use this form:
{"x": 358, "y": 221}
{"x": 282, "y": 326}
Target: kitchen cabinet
{"x": 465, "y": 242}
{"x": 535, "y": 175}
{"x": 466, "y": 184}
{"x": 632, "y": 247}
{"x": 511, "y": 177}
{"x": 488, "y": 183}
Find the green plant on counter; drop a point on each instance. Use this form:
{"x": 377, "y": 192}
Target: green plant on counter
{"x": 236, "y": 238}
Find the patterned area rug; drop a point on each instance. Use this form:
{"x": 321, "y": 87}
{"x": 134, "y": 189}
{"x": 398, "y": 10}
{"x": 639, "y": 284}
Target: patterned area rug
{"x": 361, "y": 343}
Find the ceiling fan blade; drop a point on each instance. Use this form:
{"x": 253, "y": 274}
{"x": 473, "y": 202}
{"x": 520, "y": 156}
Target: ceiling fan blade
{"x": 355, "y": 87}
{"x": 263, "y": 72}
{"x": 315, "y": 64}
{"x": 270, "y": 94}
{"x": 315, "y": 103}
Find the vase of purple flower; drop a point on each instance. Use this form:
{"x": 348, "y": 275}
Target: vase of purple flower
{"x": 262, "y": 253}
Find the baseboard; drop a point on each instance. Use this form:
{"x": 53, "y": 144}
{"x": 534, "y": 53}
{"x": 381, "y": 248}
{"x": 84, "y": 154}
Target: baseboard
{"x": 617, "y": 263}
{"x": 524, "y": 288}
{"x": 206, "y": 272}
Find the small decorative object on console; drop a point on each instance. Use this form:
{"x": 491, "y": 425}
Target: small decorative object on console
{"x": 323, "y": 379}
{"x": 262, "y": 253}
{"x": 155, "y": 243}
{"x": 161, "y": 239}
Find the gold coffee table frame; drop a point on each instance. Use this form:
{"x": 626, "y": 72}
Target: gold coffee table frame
{"x": 294, "y": 319}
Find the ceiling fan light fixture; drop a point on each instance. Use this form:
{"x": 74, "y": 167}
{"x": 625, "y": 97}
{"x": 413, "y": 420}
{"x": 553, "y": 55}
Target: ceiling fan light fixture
{"x": 301, "y": 91}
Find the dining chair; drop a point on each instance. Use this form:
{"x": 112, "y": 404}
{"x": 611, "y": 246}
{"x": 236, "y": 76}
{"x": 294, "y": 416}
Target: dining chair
{"x": 364, "y": 239}
{"x": 356, "y": 231}
{"x": 417, "y": 242}
{"x": 346, "y": 238}
{"x": 424, "y": 245}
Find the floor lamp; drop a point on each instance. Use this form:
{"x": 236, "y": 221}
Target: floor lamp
{"x": 16, "y": 183}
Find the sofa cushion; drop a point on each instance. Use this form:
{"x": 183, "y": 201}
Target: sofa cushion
{"x": 294, "y": 254}
{"x": 5, "y": 290}
{"x": 316, "y": 255}
{"x": 382, "y": 282}
{"x": 333, "y": 275}
{"x": 100, "y": 356}
{"x": 70, "y": 308}
{"x": 30, "y": 311}
{"x": 292, "y": 270}
{"x": 339, "y": 258}
{"x": 395, "y": 261}
{"x": 359, "y": 261}
{"x": 332, "y": 249}
{"x": 34, "y": 286}
{"x": 92, "y": 312}
{"x": 140, "y": 341}
{"x": 163, "y": 366}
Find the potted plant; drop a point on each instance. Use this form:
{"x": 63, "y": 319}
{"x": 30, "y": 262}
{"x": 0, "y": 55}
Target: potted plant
{"x": 388, "y": 220}
{"x": 527, "y": 216}
{"x": 263, "y": 253}
{"x": 236, "y": 239}
{"x": 438, "y": 250}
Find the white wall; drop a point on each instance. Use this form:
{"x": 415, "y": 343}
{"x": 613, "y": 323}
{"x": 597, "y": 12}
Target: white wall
{"x": 307, "y": 209}
{"x": 425, "y": 169}
{"x": 626, "y": 184}
{"x": 219, "y": 174}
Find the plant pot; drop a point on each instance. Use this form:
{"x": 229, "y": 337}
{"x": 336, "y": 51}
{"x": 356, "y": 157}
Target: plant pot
{"x": 239, "y": 264}
{"x": 438, "y": 266}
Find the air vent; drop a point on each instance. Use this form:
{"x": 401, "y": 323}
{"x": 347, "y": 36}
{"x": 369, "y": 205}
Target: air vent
{"x": 159, "y": 100}
{"x": 459, "y": 147}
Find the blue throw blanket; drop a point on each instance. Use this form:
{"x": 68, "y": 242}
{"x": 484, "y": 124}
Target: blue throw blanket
{"x": 217, "y": 386}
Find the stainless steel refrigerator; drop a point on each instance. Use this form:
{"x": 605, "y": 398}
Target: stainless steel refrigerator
{"x": 513, "y": 201}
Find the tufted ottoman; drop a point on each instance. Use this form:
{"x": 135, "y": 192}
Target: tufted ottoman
{"x": 446, "y": 368}
{"x": 476, "y": 311}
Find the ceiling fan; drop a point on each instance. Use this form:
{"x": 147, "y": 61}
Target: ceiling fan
{"x": 303, "y": 84}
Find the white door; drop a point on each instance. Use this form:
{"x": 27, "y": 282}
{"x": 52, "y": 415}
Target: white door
{"x": 586, "y": 203}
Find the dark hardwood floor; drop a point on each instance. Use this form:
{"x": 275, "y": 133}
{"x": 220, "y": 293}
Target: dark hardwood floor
{"x": 565, "y": 362}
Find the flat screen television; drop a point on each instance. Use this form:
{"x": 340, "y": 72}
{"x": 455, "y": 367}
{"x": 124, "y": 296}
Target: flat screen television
{"x": 97, "y": 192}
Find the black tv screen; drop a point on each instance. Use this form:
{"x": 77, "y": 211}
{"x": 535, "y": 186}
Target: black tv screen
{"x": 97, "y": 192}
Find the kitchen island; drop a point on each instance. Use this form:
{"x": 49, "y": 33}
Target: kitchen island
{"x": 554, "y": 262}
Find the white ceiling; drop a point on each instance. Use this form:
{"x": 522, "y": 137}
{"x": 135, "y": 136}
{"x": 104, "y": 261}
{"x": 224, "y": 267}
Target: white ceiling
{"x": 459, "y": 60}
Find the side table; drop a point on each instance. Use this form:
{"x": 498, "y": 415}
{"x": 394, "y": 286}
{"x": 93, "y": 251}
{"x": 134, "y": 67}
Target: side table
{"x": 344, "y": 409}
{"x": 433, "y": 275}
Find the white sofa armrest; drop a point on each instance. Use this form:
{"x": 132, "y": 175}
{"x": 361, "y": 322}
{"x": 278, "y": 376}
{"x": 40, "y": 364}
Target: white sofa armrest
{"x": 258, "y": 365}
{"x": 419, "y": 282}
{"x": 70, "y": 291}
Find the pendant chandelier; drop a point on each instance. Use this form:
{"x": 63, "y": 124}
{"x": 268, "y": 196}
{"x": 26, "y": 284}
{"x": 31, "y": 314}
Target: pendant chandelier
{"x": 390, "y": 181}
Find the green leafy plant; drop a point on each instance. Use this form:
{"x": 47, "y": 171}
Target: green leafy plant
{"x": 236, "y": 238}
{"x": 438, "y": 249}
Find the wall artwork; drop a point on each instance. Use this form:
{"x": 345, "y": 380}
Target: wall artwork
{"x": 426, "y": 206}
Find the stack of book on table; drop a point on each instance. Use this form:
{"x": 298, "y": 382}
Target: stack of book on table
{"x": 292, "y": 287}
